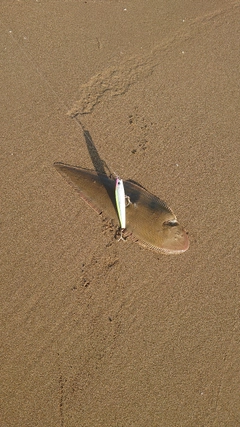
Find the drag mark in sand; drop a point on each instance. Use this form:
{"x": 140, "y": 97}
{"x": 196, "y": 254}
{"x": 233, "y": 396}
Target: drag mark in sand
{"x": 116, "y": 80}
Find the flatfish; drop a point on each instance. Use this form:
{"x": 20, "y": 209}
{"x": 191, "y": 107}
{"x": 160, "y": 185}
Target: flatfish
{"x": 149, "y": 221}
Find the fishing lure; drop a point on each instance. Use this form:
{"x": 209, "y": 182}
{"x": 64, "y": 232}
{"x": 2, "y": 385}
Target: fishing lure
{"x": 120, "y": 202}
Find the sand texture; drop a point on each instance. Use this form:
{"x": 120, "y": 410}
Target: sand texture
{"x": 96, "y": 332}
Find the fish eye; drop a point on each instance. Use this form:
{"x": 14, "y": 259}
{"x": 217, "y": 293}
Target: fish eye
{"x": 171, "y": 223}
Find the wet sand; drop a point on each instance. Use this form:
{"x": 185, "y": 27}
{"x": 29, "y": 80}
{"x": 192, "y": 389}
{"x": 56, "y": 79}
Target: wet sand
{"x": 97, "y": 332}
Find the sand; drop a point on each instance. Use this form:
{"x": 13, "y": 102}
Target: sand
{"x": 97, "y": 332}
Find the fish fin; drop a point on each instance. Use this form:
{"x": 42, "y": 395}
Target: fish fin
{"x": 153, "y": 248}
{"x": 96, "y": 189}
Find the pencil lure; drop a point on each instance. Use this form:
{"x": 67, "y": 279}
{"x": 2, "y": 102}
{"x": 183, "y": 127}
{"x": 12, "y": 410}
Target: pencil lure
{"x": 145, "y": 218}
{"x": 120, "y": 202}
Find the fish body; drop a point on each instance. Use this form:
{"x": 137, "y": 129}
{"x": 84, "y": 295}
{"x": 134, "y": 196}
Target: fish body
{"x": 148, "y": 219}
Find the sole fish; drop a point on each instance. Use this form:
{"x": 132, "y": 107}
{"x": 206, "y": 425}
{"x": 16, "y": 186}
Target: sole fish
{"x": 149, "y": 221}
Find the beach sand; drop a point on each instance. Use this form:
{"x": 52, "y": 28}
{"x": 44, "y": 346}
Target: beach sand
{"x": 97, "y": 332}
